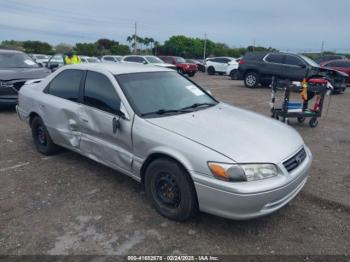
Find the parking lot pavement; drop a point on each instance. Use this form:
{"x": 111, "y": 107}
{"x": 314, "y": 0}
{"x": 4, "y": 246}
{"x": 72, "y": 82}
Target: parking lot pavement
{"x": 68, "y": 204}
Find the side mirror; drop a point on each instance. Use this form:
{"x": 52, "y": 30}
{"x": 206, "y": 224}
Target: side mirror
{"x": 40, "y": 65}
{"x": 302, "y": 66}
{"x": 52, "y": 65}
{"x": 144, "y": 62}
{"x": 116, "y": 120}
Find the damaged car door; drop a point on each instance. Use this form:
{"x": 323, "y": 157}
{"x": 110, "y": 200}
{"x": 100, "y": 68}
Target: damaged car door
{"x": 106, "y": 131}
{"x": 60, "y": 107}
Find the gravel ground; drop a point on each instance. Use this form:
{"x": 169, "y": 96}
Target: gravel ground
{"x": 68, "y": 204}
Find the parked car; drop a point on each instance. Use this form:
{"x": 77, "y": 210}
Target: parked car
{"x": 147, "y": 60}
{"x": 200, "y": 64}
{"x": 218, "y": 64}
{"x": 341, "y": 65}
{"x": 111, "y": 58}
{"x": 15, "y": 69}
{"x": 89, "y": 59}
{"x": 166, "y": 132}
{"x": 326, "y": 58}
{"x": 40, "y": 59}
{"x": 181, "y": 65}
{"x": 232, "y": 69}
{"x": 55, "y": 62}
{"x": 259, "y": 67}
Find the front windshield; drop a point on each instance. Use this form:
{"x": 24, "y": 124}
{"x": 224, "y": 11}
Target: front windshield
{"x": 154, "y": 60}
{"x": 159, "y": 92}
{"x": 16, "y": 60}
{"x": 310, "y": 61}
{"x": 180, "y": 60}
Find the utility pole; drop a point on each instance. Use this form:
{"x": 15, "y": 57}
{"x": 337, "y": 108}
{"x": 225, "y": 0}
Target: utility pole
{"x": 254, "y": 45}
{"x": 135, "y": 36}
{"x": 322, "y": 47}
{"x": 205, "y": 46}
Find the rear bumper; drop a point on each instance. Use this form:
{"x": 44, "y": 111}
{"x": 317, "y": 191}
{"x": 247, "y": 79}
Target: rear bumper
{"x": 242, "y": 206}
{"x": 10, "y": 100}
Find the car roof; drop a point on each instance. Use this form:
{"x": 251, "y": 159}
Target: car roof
{"x": 8, "y": 51}
{"x": 119, "y": 68}
{"x": 336, "y": 60}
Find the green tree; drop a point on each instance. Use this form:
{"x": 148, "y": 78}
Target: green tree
{"x": 63, "y": 48}
{"x": 89, "y": 49}
{"x": 12, "y": 44}
{"x": 37, "y": 47}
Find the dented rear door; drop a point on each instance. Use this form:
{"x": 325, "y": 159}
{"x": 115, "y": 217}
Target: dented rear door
{"x": 60, "y": 108}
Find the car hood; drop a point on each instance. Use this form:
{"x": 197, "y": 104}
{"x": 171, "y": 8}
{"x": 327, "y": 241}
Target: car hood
{"x": 23, "y": 73}
{"x": 163, "y": 65}
{"x": 239, "y": 134}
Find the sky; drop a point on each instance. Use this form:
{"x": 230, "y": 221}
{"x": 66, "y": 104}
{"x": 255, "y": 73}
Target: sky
{"x": 289, "y": 25}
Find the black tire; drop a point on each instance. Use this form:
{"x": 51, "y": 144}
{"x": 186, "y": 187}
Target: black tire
{"x": 313, "y": 122}
{"x": 251, "y": 79}
{"x": 41, "y": 137}
{"x": 233, "y": 74}
{"x": 191, "y": 74}
{"x": 171, "y": 189}
{"x": 301, "y": 119}
{"x": 179, "y": 70}
{"x": 211, "y": 70}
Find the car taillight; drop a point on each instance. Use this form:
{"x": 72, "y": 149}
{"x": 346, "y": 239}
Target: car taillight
{"x": 242, "y": 62}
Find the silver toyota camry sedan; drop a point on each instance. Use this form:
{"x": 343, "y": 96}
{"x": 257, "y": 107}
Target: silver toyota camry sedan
{"x": 190, "y": 151}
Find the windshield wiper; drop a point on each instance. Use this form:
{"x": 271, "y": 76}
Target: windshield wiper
{"x": 195, "y": 105}
{"x": 162, "y": 112}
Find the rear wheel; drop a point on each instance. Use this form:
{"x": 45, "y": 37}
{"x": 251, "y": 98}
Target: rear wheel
{"x": 170, "y": 189}
{"x": 41, "y": 137}
{"x": 211, "y": 70}
{"x": 191, "y": 74}
{"x": 313, "y": 122}
{"x": 251, "y": 79}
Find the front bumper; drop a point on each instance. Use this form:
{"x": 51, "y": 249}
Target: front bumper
{"x": 215, "y": 200}
{"x": 9, "y": 100}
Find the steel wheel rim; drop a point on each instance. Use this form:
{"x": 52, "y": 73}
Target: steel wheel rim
{"x": 41, "y": 135}
{"x": 167, "y": 190}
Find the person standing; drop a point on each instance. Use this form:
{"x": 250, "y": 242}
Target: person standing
{"x": 71, "y": 59}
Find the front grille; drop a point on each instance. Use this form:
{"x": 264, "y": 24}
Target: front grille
{"x": 293, "y": 162}
{"x": 10, "y": 87}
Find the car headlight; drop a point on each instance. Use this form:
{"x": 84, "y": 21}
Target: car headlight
{"x": 243, "y": 172}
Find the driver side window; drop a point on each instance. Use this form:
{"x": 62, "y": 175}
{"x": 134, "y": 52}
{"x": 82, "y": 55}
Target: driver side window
{"x": 100, "y": 93}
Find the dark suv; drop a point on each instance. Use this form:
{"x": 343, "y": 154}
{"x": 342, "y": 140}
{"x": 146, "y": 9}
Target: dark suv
{"x": 259, "y": 67}
{"x": 15, "y": 69}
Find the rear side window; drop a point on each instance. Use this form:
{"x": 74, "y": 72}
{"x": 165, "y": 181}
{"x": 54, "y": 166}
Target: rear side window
{"x": 66, "y": 84}
{"x": 274, "y": 58}
{"x": 108, "y": 58}
{"x": 293, "y": 60}
{"x": 339, "y": 64}
{"x": 135, "y": 59}
{"x": 100, "y": 93}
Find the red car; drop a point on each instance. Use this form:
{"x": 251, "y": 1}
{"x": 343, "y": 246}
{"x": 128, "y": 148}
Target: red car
{"x": 182, "y": 66}
{"x": 339, "y": 65}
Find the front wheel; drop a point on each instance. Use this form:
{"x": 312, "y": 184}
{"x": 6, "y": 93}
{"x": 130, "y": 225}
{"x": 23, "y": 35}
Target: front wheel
{"x": 251, "y": 79}
{"x": 211, "y": 70}
{"x": 171, "y": 190}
